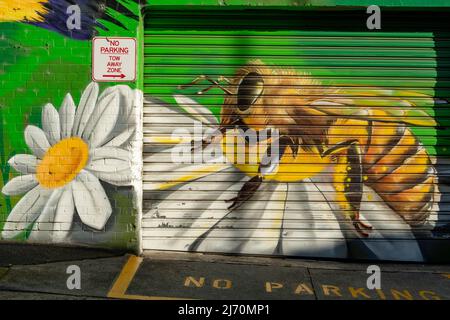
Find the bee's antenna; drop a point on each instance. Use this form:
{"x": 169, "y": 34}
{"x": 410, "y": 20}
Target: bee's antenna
{"x": 215, "y": 84}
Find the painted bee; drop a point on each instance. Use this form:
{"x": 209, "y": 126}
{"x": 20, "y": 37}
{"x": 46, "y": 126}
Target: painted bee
{"x": 363, "y": 134}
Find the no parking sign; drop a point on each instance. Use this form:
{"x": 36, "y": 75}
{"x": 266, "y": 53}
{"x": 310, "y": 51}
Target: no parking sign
{"x": 113, "y": 59}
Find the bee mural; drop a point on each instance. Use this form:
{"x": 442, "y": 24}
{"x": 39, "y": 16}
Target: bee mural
{"x": 365, "y": 137}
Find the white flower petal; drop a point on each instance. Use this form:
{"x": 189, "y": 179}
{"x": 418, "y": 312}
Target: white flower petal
{"x": 179, "y": 173}
{"x": 67, "y": 116}
{"x": 100, "y": 127}
{"x": 161, "y": 117}
{"x": 51, "y": 124}
{"x": 119, "y": 178}
{"x": 122, "y": 138}
{"x": 66, "y": 207}
{"x": 167, "y": 126}
{"x": 130, "y": 101}
{"x": 24, "y": 163}
{"x": 55, "y": 221}
{"x": 26, "y": 211}
{"x": 202, "y": 211}
{"x": 112, "y": 165}
{"x": 310, "y": 227}
{"x": 155, "y": 107}
{"x": 91, "y": 201}
{"x": 43, "y": 225}
{"x": 193, "y": 108}
{"x": 128, "y": 98}
{"x": 385, "y": 243}
{"x": 267, "y": 204}
{"x": 108, "y": 159}
{"x": 36, "y": 140}
{"x": 20, "y": 185}
{"x": 161, "y": 172}
{"x": 85, "y": 108}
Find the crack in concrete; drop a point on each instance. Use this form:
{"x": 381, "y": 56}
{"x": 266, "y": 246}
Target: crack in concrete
{"x": 312, "y": 284}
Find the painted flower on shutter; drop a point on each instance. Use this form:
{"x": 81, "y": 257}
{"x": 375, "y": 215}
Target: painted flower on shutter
{"x": 302, "y": 218}
{"x": 75, "y": 149}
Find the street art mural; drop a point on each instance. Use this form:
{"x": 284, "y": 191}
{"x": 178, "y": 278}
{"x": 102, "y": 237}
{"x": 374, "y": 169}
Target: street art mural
{"x": 74, "y": 150}
{"x": 296, "y": 134}
{"x": 371, "y": 145}
{"x": 348, "y": 178}
{"x": 66, "y": 142}
{"x": 58, "y": 15}
{"x": 286, "y": 135}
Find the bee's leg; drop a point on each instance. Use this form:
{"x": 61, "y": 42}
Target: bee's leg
{"x": 247, "y": 191}
{"x": 353, "y": 182}
{"x": 269, "y": 164}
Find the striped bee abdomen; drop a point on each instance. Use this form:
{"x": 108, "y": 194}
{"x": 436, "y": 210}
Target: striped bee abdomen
{"x": 399, "y": 169}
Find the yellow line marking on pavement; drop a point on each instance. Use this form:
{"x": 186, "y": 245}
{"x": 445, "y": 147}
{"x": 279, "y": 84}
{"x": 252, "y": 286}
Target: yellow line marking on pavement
{"x": 124, "y": 279}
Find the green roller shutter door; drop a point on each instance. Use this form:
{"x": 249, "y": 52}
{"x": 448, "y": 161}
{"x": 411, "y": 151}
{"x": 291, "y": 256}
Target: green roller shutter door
{"x": 333, "y": 60}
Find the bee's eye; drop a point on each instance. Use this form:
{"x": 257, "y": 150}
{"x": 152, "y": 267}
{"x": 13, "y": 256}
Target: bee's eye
{"x": 249, "y": 90}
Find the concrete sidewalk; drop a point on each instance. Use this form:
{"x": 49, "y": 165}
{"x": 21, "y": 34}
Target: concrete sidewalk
{"x": 41, "y": 272}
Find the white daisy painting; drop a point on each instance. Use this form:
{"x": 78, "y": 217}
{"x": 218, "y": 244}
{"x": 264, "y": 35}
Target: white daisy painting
{"x": 78, "y": 149}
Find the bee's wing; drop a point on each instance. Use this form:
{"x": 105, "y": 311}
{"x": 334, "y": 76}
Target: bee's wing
{"x": 379, "y": 105}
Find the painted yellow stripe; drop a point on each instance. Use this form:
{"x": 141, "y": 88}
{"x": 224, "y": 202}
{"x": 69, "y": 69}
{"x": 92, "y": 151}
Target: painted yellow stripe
{"x": 124, "y": 279}
{"x": 139, "y": 297}
{"x": 196, "y": 174}
{"x": 167, "y": 140}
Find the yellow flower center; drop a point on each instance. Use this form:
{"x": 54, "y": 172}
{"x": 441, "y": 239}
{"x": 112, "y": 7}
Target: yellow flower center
{"x": 62, "y": 162}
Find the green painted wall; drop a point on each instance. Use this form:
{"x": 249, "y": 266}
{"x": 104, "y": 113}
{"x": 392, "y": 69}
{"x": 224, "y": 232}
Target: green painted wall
{"x": 41, "y": 62}
{"x": 301, "y": 4}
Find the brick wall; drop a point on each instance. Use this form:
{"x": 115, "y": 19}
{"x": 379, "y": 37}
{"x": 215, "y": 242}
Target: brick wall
{"x": 68, "y": 146}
